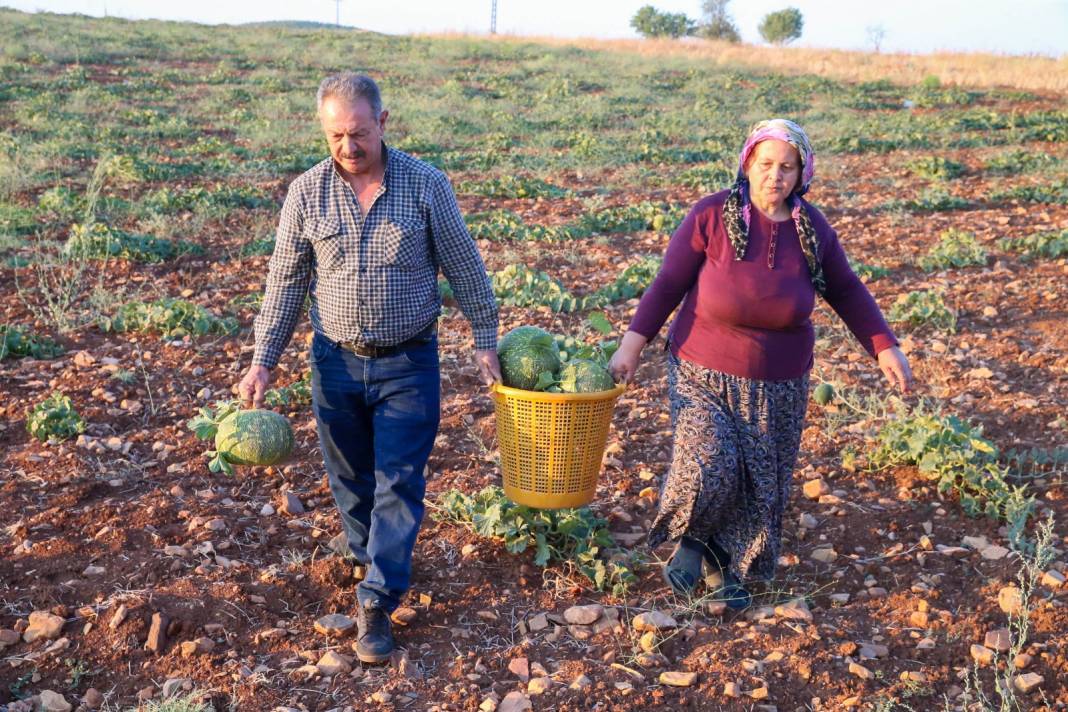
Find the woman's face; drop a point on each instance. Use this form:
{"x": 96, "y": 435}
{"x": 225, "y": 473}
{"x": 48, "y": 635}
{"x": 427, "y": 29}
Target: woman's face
{"x": 773, "y": 170}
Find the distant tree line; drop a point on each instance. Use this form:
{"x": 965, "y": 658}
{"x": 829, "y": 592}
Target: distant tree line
{"x": 716, "y": 24}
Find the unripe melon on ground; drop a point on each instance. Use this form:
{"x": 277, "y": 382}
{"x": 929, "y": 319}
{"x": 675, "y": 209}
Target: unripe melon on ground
{"x": 823, "y": 394}
{"x": 254, "y": 437}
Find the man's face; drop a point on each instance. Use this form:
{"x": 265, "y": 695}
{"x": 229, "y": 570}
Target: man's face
{"x": 353, "y": 133}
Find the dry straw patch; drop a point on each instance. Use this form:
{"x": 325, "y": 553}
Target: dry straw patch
{"x": 972, "y": 69}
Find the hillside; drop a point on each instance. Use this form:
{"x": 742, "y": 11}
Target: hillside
{"x": 573, "y": 163}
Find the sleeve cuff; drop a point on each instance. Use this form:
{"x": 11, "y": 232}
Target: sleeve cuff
{"x": 485, "y": 338}
{"x": 881, "y": 342}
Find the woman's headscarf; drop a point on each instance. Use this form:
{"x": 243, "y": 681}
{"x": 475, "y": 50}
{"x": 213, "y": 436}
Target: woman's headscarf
{"x": 737, "y": 211}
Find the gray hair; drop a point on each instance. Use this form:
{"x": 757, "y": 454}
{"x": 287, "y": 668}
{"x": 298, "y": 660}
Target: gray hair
{"x": 350, "y": 86}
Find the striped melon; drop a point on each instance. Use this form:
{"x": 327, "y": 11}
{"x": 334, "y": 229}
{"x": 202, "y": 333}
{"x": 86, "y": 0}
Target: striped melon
{"x": 254, "y": 437}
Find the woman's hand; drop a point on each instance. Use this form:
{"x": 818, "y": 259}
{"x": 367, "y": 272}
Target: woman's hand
{"x": 895, "y": 367}
{"x": 625, "y": 360}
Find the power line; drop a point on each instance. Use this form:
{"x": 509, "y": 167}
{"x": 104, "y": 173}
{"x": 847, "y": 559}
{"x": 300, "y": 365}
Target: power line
{"x": 493, "y": 18}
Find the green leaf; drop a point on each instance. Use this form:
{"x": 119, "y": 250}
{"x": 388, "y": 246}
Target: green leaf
{"x": 545, "y": 379}
{"x": 541, "y": 555}
{"x": 600, "y": 322}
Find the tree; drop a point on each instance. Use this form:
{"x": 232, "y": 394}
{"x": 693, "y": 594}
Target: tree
{"x": 650, "y": 22}
{"x": 718, "y": 25}
{"x": 781, "y": 27}
{"x": 876, "y": 35}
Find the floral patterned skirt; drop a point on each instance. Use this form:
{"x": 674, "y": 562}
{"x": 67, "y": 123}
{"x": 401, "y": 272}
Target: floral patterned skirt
{"x": 735, "y": 446}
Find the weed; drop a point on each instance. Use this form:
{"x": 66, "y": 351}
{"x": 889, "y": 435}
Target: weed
{"x": 867, "y": 272}
{"x": 1055, "y": 193}
{"x": 958, "y": 459}
{"x": 16, "y": 342}
{"x": 1049, "y": 245}
{"x": 955, "y": 248}
{"x": 1016, "y": 161}
{"x": 171, "y": 318}
{"x": 98, "y": 241}
{"x": 512, "y": 187}
{"x": 54, "y": 419}
{"x": 575, "y": 536}
{"x": 935, "y": 168}
{"x": 923, "y": 308}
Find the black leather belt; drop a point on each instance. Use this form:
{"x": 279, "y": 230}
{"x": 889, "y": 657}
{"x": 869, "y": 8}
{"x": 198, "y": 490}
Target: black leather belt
{"x": 372, "y": 351}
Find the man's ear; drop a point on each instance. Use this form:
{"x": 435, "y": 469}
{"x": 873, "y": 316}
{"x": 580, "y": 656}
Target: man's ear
{"x": 382, "y": 119}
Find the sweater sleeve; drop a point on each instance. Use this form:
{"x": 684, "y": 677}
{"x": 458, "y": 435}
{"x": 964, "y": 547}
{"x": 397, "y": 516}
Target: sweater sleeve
{"x": 682, "y": 261}
{"x": 847, "y": 295}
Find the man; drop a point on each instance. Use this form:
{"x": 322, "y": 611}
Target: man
{"x": 364, "y": 232}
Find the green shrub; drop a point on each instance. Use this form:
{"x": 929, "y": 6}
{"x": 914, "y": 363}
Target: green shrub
{"x": 54, "y": 419}
{"x": 782, "y": 27}
{"x": 650, "y": 22}
{"x": 955, "y": 249}
{"x": 98, "y": 241}
{"x": 574, "y": 536}
{"x": 16, "y": 342}
{"x": 923, "y": 308}
{"x": 1048, "y": 245}
{"x": 935, "y": 168}
{"x": 171, "y": 318}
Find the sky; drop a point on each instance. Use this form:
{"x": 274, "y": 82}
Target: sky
{"x": 918, "y": 26}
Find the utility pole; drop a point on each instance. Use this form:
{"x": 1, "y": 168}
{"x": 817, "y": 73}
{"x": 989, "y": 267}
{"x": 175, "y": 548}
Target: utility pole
{"x": 337, "y": 12}
{"x": 493, "y": 18}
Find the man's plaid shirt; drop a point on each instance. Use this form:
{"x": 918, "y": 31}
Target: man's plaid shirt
{"x": 373, "y": 278}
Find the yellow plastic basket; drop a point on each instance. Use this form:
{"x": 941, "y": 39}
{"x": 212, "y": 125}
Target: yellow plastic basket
{"x": 552, "y": 444}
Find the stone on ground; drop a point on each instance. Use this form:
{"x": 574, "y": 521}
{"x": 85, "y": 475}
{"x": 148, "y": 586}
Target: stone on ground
{"x": 43, "y": 625}
{"x": 1027, "y": 682}
{"x": 1010, "y": 600}
{"x": 583, "y": 615}
{"x": 515, "y": 701}
{"x": 678, "y": 679}
{"x": 334, "y": 624}
{"x": 53, "y": 702}
{"x": 654, "y": 621}
{"x": 795, "y": 610}
{"x": 999, "y": 640}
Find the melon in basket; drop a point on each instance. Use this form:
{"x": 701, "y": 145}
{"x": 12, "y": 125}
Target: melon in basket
{"x": 525, "y": 353}
{"x": 585, "y": 376}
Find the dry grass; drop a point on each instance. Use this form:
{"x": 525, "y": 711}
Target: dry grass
{"x": 1036, "y": 73}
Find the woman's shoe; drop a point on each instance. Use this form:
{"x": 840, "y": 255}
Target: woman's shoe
{"x": 683, "y": 571}
{"x": 731, "y": 592}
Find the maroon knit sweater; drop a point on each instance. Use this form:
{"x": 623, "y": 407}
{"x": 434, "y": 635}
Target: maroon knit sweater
{"x": 752, "y": 318}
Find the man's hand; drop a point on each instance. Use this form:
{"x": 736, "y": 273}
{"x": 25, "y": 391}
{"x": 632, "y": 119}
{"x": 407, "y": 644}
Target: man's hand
{"x": 895, "y": 367}
{"x": 253, "y": 386}
{"x": 489, "y": 368}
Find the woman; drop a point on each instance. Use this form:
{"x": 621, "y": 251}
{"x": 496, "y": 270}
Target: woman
{"x": 746, "y": 263}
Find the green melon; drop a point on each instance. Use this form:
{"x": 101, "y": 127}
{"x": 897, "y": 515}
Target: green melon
{"x": 823, "y": 394}
{"x": 254, "y": 437}
{"x": 525, "y": 352}
{"x": 584, "y": 376}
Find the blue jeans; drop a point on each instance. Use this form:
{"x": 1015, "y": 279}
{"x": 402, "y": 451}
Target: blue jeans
{"x": 377, "y": 418}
